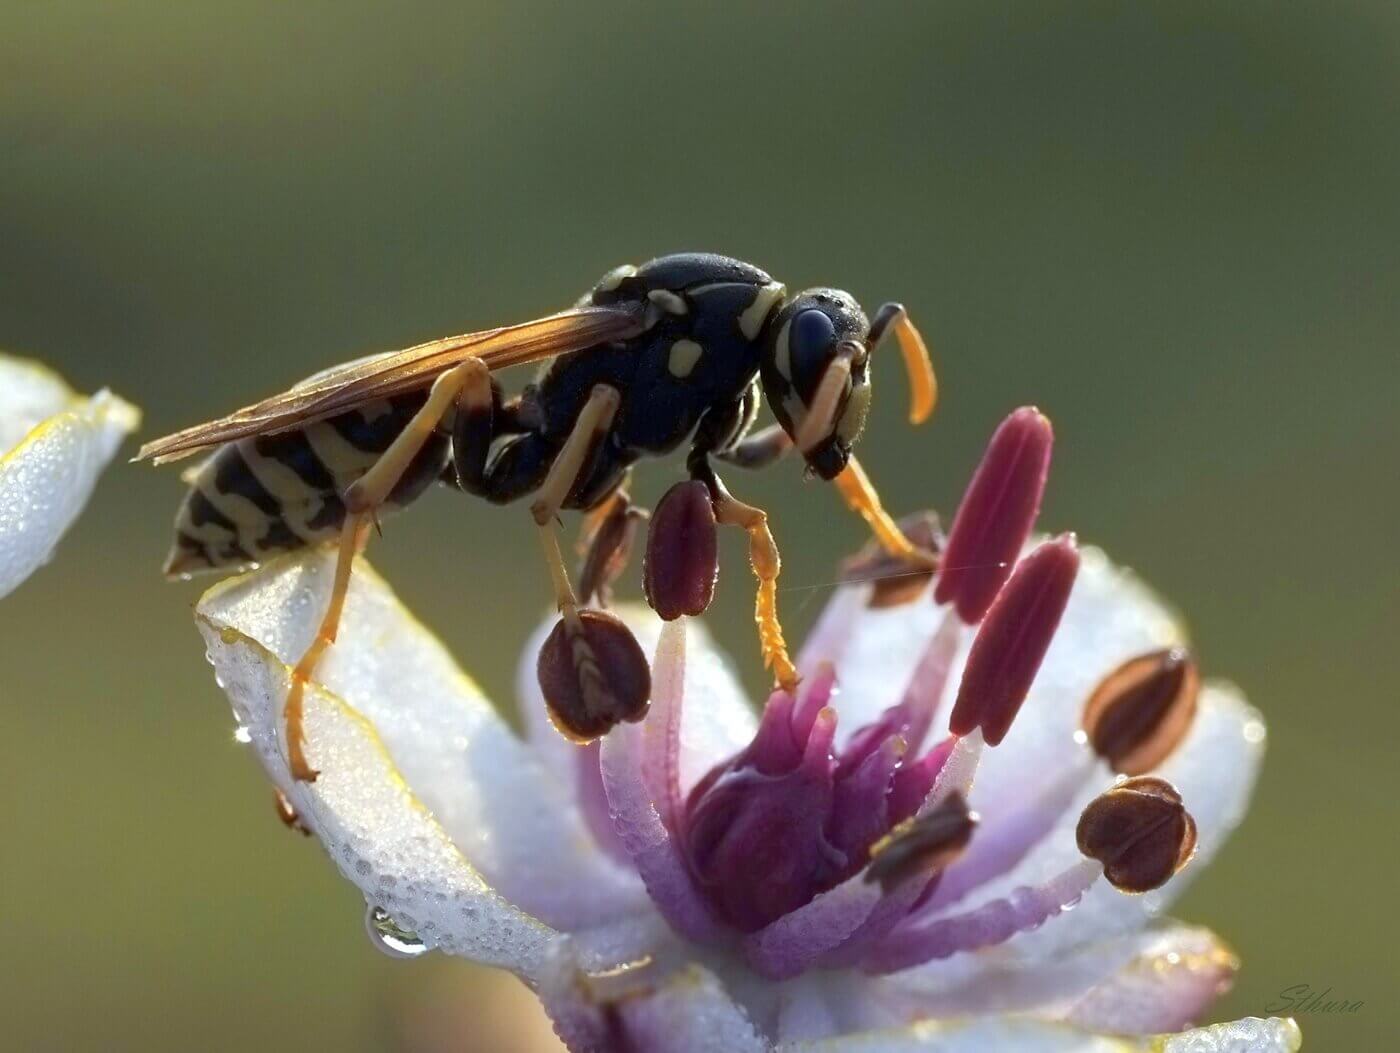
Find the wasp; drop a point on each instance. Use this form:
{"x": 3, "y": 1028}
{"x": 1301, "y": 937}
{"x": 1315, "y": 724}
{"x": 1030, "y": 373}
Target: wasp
{"x": 683, "y": 349}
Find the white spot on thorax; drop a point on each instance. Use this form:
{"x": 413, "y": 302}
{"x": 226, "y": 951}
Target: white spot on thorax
{"x": 768, "y": 297}
{"x": 684, "y": 355}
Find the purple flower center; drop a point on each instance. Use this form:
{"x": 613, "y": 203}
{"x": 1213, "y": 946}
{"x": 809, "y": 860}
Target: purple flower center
{"x": 789, "y": 816}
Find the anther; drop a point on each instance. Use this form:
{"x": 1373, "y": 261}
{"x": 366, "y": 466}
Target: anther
{"x": 895, "y": 579}
{"x": 1142, "y": 710}
{"x": 1013, "y": 639}
{"x": 996, "y": 514}
{"x": 922, "y": 845}
{"x": 682, "y": 559}
{"x": 593, "y": 675}
{"x": 608, "y": 550}
{"x": 1140, "y": 831}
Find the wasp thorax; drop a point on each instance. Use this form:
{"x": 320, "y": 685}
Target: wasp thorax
{"x": 1142, "y": 710}
{"x": 682, "y": 559}
{"x": 923, "y": 845}
{"x": 1140, "y": 831}
{"x": 593, "y": 675}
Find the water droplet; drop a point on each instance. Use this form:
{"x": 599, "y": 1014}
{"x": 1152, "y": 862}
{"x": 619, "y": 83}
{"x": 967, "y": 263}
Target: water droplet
{"x": 243, "y": 734}
{"x": 389, "y": 939}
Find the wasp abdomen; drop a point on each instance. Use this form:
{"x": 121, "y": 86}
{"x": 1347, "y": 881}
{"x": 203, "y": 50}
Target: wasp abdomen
{"x": 269, "y": 494}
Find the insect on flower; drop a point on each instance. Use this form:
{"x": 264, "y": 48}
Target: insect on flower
{"x": 682, "y": 349}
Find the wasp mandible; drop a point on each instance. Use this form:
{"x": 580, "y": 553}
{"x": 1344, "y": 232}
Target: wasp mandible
{"x": 682, "y": 349}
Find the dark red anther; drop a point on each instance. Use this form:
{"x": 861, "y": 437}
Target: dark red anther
{"x": 996, "y": 514}
{"x": 897, "y": 581}
{"x": 1143, "y": 709}
{"x": 1013, "y": 639}
{"x": 593, "y": 677}
{"x": 682, "y": 559}
{"x": 1140, "y": 831}
{"x": 922, "y": 845}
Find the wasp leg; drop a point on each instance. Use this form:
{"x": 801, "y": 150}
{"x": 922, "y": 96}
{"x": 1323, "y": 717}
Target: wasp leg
{"x": 605, "y": 543}
{"x": 759, "y": 450}
{"x": 363, "y": 497}
{"x": 861, "y": 497}
{"x": 568, "y": 468}
{"x": 765, "y": 561}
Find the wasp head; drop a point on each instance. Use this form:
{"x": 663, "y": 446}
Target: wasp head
{"x": 816, "y": 375}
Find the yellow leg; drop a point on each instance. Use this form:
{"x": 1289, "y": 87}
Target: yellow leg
{"x": 592, "y": 424}
{"x": 861, "y": 496}
{"x": 361, "y": 500}
{"x": 766, "y": 563}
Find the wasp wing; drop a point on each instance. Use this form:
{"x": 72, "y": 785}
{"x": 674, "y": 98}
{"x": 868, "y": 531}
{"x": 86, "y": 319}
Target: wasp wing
{"x": 396, "y": 372}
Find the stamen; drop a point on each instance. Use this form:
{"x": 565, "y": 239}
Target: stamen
{"x": 1140, "y": 831}
{"x": 682, "y": 559}
{"x": 996, "y": 514}
{"x": 1142, "y": 710}
{"x": 1012, "y": 641}
{"x": 619, "y": 687}
{"x": 896, "y": 580}
{"x": 922, "y": 845}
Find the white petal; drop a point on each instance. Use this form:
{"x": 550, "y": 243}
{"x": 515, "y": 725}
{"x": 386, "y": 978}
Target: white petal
{"x": 1011, "y": 1035}
{"x": 1004, "y": 980}
{"x": 875, "y": 651}
{"x": 1175, "y": 976}
{"x": 1250, "y": 1035}
{"x": 53, "y": 445}
{"x": 718, "y": 719}
{"x": 374, "y": 828}
{"x": 690, "y": 1013}
{"x": 1004, "y": 1035}
{"x": 1111, "y": 617}
{"x": 484, "y": 787}
{"x": 1214, "y": 768}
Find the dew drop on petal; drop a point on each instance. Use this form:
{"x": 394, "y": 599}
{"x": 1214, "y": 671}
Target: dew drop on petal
{"x": 389, "y": 939}
{"x": 243, "y": 734}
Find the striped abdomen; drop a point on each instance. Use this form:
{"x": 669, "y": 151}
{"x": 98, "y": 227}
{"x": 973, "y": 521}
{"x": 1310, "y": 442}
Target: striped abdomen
{"x": 262, "y": 496}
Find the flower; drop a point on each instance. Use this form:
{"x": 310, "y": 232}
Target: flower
{"x": 53, "y": 444}
{"x": 814, "y": 877}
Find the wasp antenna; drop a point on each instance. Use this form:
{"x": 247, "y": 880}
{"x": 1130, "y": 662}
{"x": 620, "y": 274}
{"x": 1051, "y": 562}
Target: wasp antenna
{"x": 820, "y": 418}
{"x": 923, "y": 384}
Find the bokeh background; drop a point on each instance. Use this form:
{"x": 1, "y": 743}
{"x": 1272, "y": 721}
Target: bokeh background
{"x": 1174, "y": 226}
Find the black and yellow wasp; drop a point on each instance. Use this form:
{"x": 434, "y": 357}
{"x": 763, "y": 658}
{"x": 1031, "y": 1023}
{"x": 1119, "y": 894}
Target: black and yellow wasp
{"x": 682, "y": 349}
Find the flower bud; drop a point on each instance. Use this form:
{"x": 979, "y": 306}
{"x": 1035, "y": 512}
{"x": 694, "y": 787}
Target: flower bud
{"x": 1013, "y": 639}
{"x": 996, "y": 514}
{"x": 682, "y": 559}
{"x": 594, "y": 678}
{"x": 1142, "y": 710}
{"x": 1140, "y": 831}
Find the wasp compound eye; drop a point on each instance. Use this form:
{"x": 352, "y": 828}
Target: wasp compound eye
{"x": 1142, "y": 710}
{"x": 682, "y": 560}
{"x": 1140, "y": 831}
{"x": 811, "y": 337}
{"x": 593, "y": 675}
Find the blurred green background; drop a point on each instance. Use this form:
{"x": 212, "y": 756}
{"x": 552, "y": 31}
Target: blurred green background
{"x": 1174, "y": 226}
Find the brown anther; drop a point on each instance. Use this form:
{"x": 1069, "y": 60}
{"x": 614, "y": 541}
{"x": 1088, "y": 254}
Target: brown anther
{"x": 288, "y": 814}
{"x": 593, "y": 676}
{"x": 1143, "y": 709}
{"x": 607, "y": 549}
{"x": 682, "y": 560}
{"x": 1140, "y": 831}
{"x": 922, "y": 845}
{"x": 896, "y": 581}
